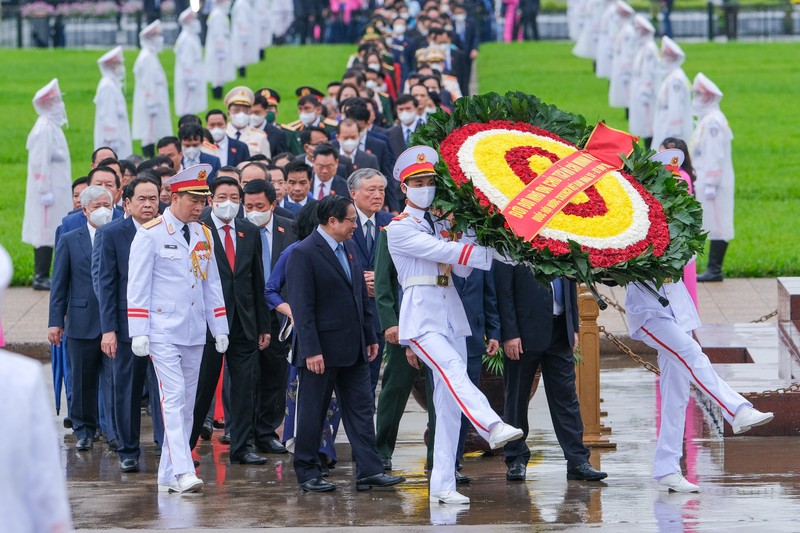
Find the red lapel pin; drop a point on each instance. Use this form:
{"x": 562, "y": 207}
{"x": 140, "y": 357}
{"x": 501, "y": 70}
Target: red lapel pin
{"x": 240, "y": 234}
{"x": 280, "y": 229}
{"x": 233, "y": 150}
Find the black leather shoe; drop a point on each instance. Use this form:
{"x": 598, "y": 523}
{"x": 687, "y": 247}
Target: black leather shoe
{"x": 317, "y": 484}
{"x": 206, "y": 431}
{"x": 67, "y": 423}
{"x": 248, "y": 458}
{"x": 158, "y": 451}
{"x": 196, "y": 463}
{"x": 516, "y": 472}
{"x": 129, "y": 465}
{"x": 271, "y": 446}
{"x": 378, "y": 480}
{"x": 225, "y": 439}
{"x": 113, "y": 445}
{"x": 585, "y": 472}
{"x": 461, "y": 479}
{"x": 387, "y": 464}
{"x": 84, "y": 444}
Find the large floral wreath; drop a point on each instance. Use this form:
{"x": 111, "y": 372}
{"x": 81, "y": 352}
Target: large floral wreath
{"x": 637, "y": 223}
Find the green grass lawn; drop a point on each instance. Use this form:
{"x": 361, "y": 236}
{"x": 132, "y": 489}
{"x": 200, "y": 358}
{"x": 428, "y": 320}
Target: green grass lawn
{"x": 760, "y": 82}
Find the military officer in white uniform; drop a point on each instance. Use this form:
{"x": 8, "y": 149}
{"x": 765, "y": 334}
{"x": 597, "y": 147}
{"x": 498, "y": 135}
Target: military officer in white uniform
{"x": 174, "y": 291}
{"x": 432, "y": 318}
{"x": 239, "y": 100}
{"x": 682, "y": 362}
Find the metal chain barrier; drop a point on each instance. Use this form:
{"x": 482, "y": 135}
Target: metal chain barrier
{"x": 630, "y": 353}
{"x": 765, "y": 317}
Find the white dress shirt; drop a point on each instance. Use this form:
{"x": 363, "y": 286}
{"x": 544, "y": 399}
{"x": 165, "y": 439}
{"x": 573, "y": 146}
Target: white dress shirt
{"x": 326, "y": 186}
{"x": 92, "y": 231}
{"x": 222, "y": 151}
{"x": 218, "y": 223}
{"x": 362, "y": 218}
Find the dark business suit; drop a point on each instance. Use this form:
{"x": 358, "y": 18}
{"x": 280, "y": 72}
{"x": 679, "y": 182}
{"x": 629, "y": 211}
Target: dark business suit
{"x": 367, "y": 258}
{"x": 526, "y": 312}
{"x": 243, "y": 291}
{"x": 237, "y": 152}
{"x": 333, "y": 318}
{"x": 378, "y": 145}
{"x": 294, "y": 207}
{"x": 76, "y": 219}
{"x": 112, "y": 246}
{"x": 74, "y": 307}
{"x": 273, "y": 368}
{"x": 276, "y": 138}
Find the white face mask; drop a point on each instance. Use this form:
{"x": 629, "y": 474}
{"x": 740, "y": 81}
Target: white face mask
{"x": 407, "y": 117}
{"x": 191, "y": 153}
{"x": 259, "y": 218}
{"x": 218, "y": 134}
{"x": 349, "y": 145}
{"x": 240, "y": 120}
{"x": 371, "y": 84}
{"x": 257, "y": 121}
{"x": 226, "y": 210}
{"x": 438, "y": 67}
{"x": 460, "y": 17}
{"x": 374, "y": 66}
{"x": 100, "y": 216}
{"x": 421, "y": 197}
{"x": 399, "y": 30}
{"x": 308, "y": 118}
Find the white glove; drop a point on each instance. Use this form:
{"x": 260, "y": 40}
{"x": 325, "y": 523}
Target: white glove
{"x": 222, "y": 343}
{"x": 503, "y": 258}
{"x": 140, "y": 345}
{"x": 710, "y": 191}
{"x": 46, "y": 199}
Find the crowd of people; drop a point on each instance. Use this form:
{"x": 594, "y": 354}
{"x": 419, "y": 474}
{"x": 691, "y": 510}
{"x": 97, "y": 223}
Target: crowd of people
{"x": 307, "y": 254}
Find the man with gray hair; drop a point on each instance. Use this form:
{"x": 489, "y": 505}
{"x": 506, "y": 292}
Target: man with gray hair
{"x": 75, "y": 313}
{"x": 368, "y": 189}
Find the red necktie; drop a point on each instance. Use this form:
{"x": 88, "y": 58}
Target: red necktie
{"x": 229, "y": 251}
{"x": 321, "y": 194}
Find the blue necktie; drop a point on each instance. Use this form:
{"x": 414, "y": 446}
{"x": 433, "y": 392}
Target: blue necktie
{"x": 266, "y": 254}
{"x": 368, "y": 237}
{"x": 341, "y": 255}
{"x": 558, "y": 292}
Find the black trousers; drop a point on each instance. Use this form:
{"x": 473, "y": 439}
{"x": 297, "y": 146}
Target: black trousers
{"x": 558, "y": 372}
{"x": 352, "y": 385}
{"x": 270, "y": 391}
{"x": 85, "y": 363}
{"x": 241, "y": 358}
{"x": 130, "y": 375}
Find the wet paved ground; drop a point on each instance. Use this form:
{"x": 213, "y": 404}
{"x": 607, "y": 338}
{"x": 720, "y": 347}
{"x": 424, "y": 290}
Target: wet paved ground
{"x": 748, "y": 483}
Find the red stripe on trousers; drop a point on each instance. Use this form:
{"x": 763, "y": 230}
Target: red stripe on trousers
{"x": 673, "y": 352}
{"x": 450, "y": 386}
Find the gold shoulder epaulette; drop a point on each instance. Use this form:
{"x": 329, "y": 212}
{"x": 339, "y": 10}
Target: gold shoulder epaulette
{"x": 401, "y": 216}
{"x": 153, "y": 223}
{"x": 330, "y": 122}
{"x": 292, "y": 126}
{"x": 381, "y": 93}
{"x": 210, "y": 146}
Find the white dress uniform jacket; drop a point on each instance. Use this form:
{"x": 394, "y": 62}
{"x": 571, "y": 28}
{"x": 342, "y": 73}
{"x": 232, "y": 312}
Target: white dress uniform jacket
{"x": 219, "y": 63}
{"x": 420, "y": 254}
{"x": 151, "y": 115}
{"x": 622, "y": 65}
{"x": 711, "y": 156}
{"x": 264, "y": 13}
{"x": 673, "y": 111}
{"x": 168, "y": 298}
{"x": 255, "y": 139}
{"x": 610, "y": 24}
{"x": 111, "y": 125}
{"x": 644, "y": 75}
{"x": 32, "y": 485}
{"x": 641, "y": 306}
{"x": 191, "y": 96}
{"x": 244, "y": 34}
{"x": 48, "y": 196}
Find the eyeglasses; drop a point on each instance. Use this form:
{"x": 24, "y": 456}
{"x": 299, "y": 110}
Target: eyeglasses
{"x": 351, "y": 220}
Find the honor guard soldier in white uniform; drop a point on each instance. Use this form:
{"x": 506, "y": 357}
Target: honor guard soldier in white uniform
{"x": 682, "y": 362}
{"x": 239, "y": 100}
{"x": 433, "y": 323}
{"x": 174, "y": 291}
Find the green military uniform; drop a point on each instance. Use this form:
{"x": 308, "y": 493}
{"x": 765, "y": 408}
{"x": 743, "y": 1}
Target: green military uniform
{"x": 387, "y": 106}
{"x": 292, "y": 132}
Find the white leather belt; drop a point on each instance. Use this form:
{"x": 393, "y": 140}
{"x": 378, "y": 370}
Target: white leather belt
{"x": 431, "y": 281}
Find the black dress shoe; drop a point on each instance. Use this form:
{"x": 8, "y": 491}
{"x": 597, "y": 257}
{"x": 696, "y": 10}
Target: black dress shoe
{"x": 461, "y": 479}
{"x": 585, "y": 472}
{"x": 326, "y": 472}
{"x": 317, "y": 484}
{"x": 67, "y": 423}
{"x": 271, "y": 446}
{"x": 113, "y": 445}
{"x": 225, "y": 439}
{"x": 387, "y": 464}
{"x": 84, "y": 444}
{"x": 206, "y": 431}
{"x": 129, "y": 465}
{"x": 516, "y": 472}
{"x": 248, "y": 458}
{"x": 158, "y": 451}
{"x": 378, "y": 480}
{"x": 219, "y": 424}
{"x": 196, "y": 463}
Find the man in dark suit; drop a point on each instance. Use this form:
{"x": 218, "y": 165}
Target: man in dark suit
{"x": 367, "y": 188}
{"x": 347, "y": 142}
{"x": 276, "y": 233}
{"x": 104, "y": 177}
{"x": 230, "y": 151}
{"x": 298, "y": 186}
{"x": 312, "y": 137}
{"x": 539, "y": 328}
{"x": 263, "y": 109}
{"x": 237, "y": 247}
{"x": 191, "y": 137}
{"x": 399, "y": 135}
{"x": 466, "y": 35}
{"x": 326, "y": 182}
{"x": 333, "y": 343}
{"x": 377, "y": 145}
{"x": 110, "y": 275}
{"x": 75, "y": 313}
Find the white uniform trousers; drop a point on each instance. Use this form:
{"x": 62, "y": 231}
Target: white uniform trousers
{"x": 682, "y": 362}
{"x": 453, "y": 393}
{"x": 177, "y": 369}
